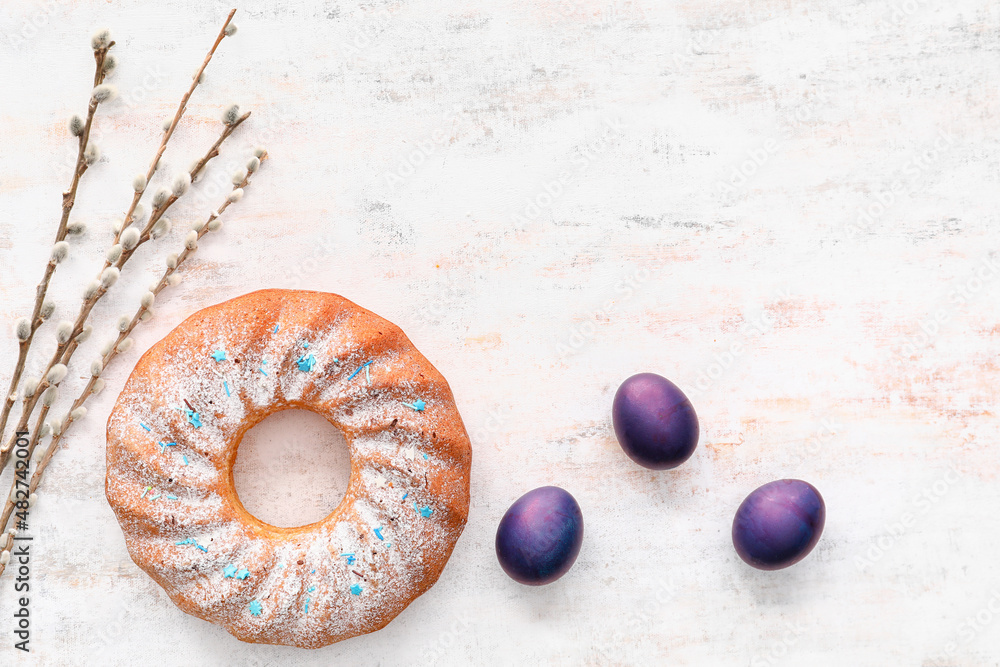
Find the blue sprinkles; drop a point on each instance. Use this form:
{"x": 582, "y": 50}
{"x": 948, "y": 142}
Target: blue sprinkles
{"x": 193, "y": 418}
{"x": 276, "y": 328}
{"x": 360, "y": 368}
{"x": 170, "y": 496}
{"x": 349, "y": 557}
{"x": 192, "y": 542}
{"x": 243, "y": 573}
{"x": 164, "y": 445}
{"x": 229, "y": 572}
{"x": 255, "y": 607}
{"x": 226, "y": 387}
{"x": 219, "y": 355}
{"x": 424, "y": 511}
{"x": 417, "y": 405}
{"x": 145, "y": 427}
{"x": 311, "y": 589}
{"x": 378, "y": 533}
{"x": 185, "y": 459}
{"x": 356, "y": 589}
{"x": 306, "y": 362}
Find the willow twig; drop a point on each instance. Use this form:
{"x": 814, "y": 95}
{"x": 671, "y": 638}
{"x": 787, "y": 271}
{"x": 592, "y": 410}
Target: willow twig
{"x": 227, "y": 29}
{"x": 80, "y": 128}
{"x": 127, "y": 242}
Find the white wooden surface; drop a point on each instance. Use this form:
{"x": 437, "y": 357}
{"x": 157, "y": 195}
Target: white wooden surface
{"x": 549, "y": 197}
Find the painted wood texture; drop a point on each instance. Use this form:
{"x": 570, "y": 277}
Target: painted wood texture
{"x": 788, "y": 209}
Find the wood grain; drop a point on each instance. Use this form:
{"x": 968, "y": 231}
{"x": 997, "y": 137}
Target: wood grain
{"x": 787, "y": 209}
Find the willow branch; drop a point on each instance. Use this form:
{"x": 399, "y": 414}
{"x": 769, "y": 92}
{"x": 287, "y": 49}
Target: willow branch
{"x": 181, "y": 108}
{"x": 214, "y": 151}
{"x": 158, "y": 211}
{"x": 68, "y": 200}
{"x": 112, "y": 268}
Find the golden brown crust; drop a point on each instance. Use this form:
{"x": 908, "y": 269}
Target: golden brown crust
{"x": 405, "y": 506}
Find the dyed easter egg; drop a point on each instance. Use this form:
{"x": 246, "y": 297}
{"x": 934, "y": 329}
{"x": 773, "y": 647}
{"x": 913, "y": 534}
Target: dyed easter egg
{"x": 539, "y": 537}
{"x": 779, "y": 524}
{"x": 654, "y": 422}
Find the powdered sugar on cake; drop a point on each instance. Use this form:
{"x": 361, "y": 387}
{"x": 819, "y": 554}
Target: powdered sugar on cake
{"x": 171, "y": 443}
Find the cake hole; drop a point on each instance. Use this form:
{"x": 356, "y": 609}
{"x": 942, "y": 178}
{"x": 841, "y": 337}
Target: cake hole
{"x": 292, "y": 469}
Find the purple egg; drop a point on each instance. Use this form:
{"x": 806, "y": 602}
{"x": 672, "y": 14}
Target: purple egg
{"x": 778, "y": 524}
{"x": 654, "y": 421}
{"x": 539, "y": 537}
